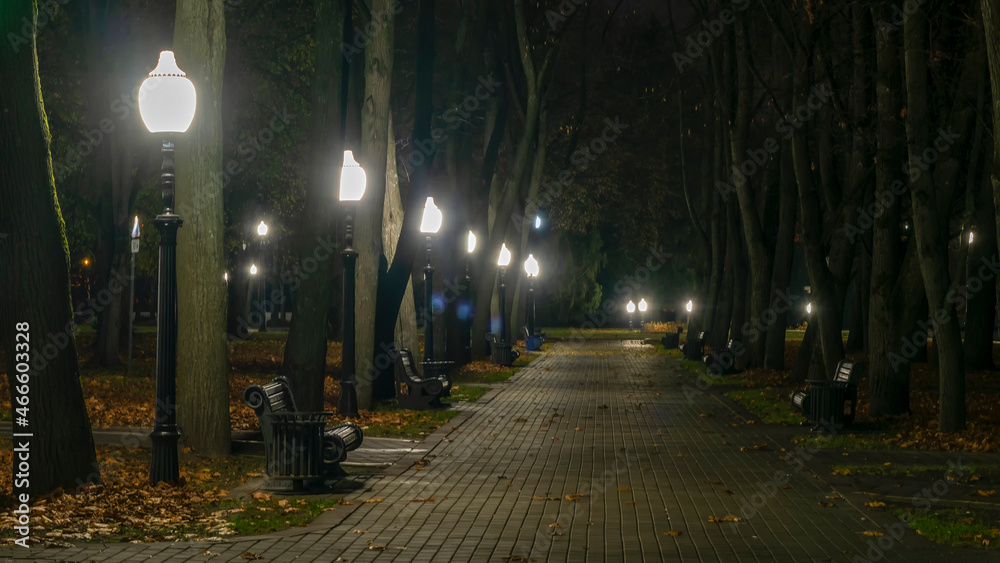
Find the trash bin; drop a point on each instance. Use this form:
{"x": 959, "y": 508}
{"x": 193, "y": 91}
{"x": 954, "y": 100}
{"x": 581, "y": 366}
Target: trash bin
{"x": 671, "y": 340}
{"x": 826, "y": 404}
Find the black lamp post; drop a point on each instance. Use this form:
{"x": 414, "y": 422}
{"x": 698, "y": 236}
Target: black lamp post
{"x": 531, "y": 270}
{"x": 503, "y": 262}
{"x": 467, "y": 324}
{"x": 262, "y": 281}
{"x": 167, "y": 102}
{"x": 352, "y": 188}
{"x": 430, "y": 223}
{"x": 131, "y": 291}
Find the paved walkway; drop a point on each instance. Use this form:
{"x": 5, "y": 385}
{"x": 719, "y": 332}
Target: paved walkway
{"x": 598, "y": 451}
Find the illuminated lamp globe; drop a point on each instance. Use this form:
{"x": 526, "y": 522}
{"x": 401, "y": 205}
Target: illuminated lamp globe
{"x": 430, "y": 223}
{"x": 352, "y": 179}
{"x": 167, "y": 98}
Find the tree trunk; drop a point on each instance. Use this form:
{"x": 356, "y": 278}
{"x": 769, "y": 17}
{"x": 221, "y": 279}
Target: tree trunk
{"x": 392, "y": 285}
{"x": 392, "y": 219}
{"x": 305, "y": 350}
{"x": 929, "y": 230}
{"x": 202, "y": 369}
{"x": 774, "y": 357}
{"x": 991, "y": 21}
{"x": 758, "y": 255}
{"x": 889, "y": 375}
{"x": 368, "y": 240}
{"x": 826, "y": 310}
{"x": 34, "y": 270}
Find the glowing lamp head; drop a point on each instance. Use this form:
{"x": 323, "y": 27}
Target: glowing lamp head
{"x": 135, "y": 227}
{"x": 262, "y": 229}
{"x": 352, "y": 179}
{"x": 253, "y": 269}
{"x": 630, "y": 307}
{"x": 225, "y": 277}
{"x": 642, "y": 305}
{"x": 689, "y": 306}
{"x": 504, "y": 259}
{"x": 167, "y": 98}
{"x": 809, "y": 308}
{"x": 970, "y": 237}
{"x": 472, "y": 242}
{"x": 531, "y": 266}
{"x": 430, "y": 223}
{"x": 538, "y": 222}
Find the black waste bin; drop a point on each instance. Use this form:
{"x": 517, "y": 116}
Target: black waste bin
{"x": 826, "y": 404}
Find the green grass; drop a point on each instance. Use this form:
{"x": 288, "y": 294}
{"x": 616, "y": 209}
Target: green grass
{"x": 954, "y": 527}
{"x": 844, "y": 442}
{"x": 407, "y": 424}
{"x": 912, "y": 471}
{"x": 495, "y": 374}
{"x": 467, "y": 393}
{"x": 770, "y": 406}
{"x": 252, "y": 520}
{"x": 599, "y": 334}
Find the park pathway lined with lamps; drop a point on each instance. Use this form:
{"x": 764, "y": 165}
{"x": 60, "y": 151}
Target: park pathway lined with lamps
{"x": 594, "y": 452}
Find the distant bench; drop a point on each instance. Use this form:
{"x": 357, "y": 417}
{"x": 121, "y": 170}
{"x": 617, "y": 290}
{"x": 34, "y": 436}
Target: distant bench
{"x": 416, "y": 392}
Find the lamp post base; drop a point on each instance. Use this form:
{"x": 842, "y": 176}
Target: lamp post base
{"x": 164, "y": 466}
{"x": 347, "y": 405}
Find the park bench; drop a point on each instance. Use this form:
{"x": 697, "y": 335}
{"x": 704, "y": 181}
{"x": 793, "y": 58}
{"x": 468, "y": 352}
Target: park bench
{"x": 725, "y": 363}
{"x": 300, "y": 450}
{"x": 694, "y": 349}
{"x": 832, "y": 403}
{"x": 501, "y": 353}
{"x": 671, "y": 340}
{"x": 532, "y": 342}
{"x": 416, "y": 392}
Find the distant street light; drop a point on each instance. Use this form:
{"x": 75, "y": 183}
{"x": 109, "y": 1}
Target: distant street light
{"x": 430, "y": 224}
{"x": 352, "y": 187}
{"x": 531, "y": 269}
{"x": 262, "y": 281}
{"x": 809, "y": 308}
{"x": 467, "y": 322}
{"x": 968, "y": 258}
{"x": 131, "y": 292}
{"x": 689, "y": 307}
{"x": 253, "y": 269}
{"x": 538, "y": 222}
{"x": 631, "y": 309}
{"x": 167, "y": 102}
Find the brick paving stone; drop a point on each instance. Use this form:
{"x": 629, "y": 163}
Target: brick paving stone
{"x": 652, "y": 455}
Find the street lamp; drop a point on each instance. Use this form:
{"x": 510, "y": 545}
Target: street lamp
{"x": 261, "y": 281}
{"x": 809, "y": 308}
{"x": 167, "y": 102}
{"x": 538, "y": 222}
{"x": 689, "y": 307}
{"x": 430, "y": 224}
{"x": 642, "y": 313}
{"x": 631, "y": 309}
{"x": 503, "y": 261}
{"x": 352, "y": 188}
{"x": 531, "y": 269}
{"x": 253, "y": 269}
{"x": 467, "y": 330}
{"x": 968, "y": 258}
{"x": 131, "y": 291}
